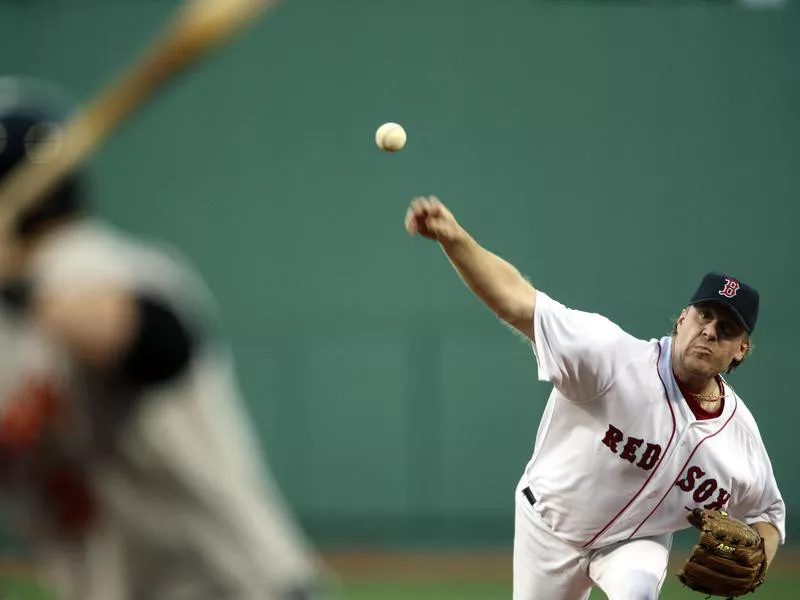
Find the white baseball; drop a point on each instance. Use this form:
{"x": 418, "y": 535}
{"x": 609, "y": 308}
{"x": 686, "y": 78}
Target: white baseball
{"x": 390, "y": 137}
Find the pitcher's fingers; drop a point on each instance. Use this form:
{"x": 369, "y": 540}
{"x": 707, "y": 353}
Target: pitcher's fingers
{"x": 434, "y": 225}
{"x": 418, "y": 204}
{"x": 410, "y": 222}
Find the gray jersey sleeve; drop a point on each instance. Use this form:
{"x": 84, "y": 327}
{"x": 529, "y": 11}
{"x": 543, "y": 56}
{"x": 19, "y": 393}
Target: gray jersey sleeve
{"x": 92, "y": 255}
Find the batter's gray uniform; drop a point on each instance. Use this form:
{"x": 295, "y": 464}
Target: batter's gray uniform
{"x": 143, "y": 494}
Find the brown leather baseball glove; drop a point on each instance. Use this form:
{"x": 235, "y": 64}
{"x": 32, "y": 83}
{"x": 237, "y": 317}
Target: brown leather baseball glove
{"x": 729, "y": 559}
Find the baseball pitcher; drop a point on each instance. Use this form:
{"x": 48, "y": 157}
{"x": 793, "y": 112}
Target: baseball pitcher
{"x": 639, "y": 439}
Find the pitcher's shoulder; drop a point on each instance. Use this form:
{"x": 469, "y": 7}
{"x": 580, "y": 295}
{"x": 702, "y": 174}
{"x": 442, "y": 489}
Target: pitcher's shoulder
{"x": 743, "y": 417}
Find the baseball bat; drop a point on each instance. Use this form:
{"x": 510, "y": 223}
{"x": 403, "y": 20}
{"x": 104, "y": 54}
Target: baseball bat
{"x": 198, "y": 27}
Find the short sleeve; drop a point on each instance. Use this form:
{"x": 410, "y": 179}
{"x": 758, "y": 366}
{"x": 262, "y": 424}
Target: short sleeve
{"x": 578, "y": 352}
{"x": 767, "y": 505}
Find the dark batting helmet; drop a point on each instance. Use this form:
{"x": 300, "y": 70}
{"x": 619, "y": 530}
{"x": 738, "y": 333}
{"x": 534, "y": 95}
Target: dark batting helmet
{"x": 31, "y": 114}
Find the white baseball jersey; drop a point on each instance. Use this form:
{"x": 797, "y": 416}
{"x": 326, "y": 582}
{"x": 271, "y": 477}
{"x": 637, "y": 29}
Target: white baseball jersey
{"x": 619, "y": 454}
{"x": 159, "y": 497}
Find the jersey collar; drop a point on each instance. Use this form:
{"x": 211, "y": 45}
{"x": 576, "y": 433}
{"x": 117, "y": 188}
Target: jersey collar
{"x": 671, "y": 385}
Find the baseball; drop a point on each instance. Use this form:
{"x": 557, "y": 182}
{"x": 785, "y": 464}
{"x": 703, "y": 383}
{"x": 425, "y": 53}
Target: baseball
{"x": 390, "y": 137}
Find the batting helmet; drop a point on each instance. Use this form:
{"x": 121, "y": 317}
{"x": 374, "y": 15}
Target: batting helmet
{"x": 31, "y": 114}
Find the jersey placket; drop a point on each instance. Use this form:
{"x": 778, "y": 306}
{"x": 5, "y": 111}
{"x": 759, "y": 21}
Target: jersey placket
{"x": 689, "y": 449}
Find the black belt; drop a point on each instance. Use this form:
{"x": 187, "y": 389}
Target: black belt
{"x": 529, "y": 495}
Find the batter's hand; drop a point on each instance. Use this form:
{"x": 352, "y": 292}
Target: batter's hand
{"x": 430, "y": 218}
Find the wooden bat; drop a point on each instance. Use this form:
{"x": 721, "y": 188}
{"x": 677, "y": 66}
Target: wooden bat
{"x": 198, "y": 27}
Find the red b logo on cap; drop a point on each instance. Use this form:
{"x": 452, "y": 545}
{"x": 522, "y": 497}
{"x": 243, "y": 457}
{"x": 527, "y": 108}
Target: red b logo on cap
{"x": 730, "y": 288}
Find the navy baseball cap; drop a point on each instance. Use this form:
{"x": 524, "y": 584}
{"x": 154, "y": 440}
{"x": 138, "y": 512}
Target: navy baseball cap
{"x": 31, "y": 111}
{"x": 740, "y": 298}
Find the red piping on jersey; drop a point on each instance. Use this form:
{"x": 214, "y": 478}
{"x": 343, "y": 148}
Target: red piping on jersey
{"x": 680, "y": 472}
{"x": 658, "y": 464}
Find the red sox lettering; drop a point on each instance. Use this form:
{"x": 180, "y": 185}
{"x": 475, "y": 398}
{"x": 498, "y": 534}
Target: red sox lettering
{"x": 695, "y": 480}
{"x": 648, "y": 458}
{"x": 706, "y": 488}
